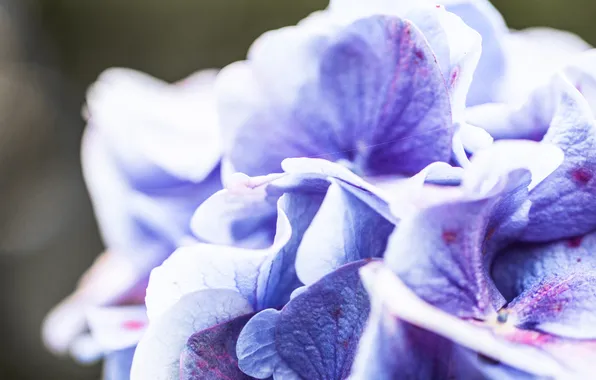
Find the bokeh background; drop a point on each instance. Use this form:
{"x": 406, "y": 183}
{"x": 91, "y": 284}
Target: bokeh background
{"x": 50, "y": 51}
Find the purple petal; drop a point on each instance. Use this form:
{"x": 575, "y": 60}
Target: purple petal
{"x": 328, "y": 316}
{"x": 211, "y": 354}
{"x": 551, "y": 285}
{"x": 410, "y": 108}
{"x": 401, "y": 121}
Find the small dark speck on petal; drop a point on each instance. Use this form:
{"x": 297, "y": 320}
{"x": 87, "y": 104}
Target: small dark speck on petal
{"x": 582, "y": 175}
{"x": 574, "y": 242}
{"x": 449, "y": 236}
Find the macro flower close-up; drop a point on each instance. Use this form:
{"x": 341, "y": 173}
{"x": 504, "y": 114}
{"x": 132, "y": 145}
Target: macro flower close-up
{"x": 384, "y": 189}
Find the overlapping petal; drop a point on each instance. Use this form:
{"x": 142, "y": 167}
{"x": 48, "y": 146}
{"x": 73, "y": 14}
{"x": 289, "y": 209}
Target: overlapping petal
{"x": 246, "y": 209}
{"x": 443, "y": 249}
{"x": 264, "y": 277}
{"x": 557, "y": 114}
{"x": 537, "y": 354}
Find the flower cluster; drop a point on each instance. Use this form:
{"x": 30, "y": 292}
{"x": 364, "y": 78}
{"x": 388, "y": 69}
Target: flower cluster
{"x": 390, "y": 189}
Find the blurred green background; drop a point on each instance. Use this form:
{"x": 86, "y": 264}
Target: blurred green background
{"x": 50, "y": 51}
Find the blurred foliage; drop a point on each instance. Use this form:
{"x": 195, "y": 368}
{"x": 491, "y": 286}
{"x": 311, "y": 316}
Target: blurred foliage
{"x": 48, "y": 56}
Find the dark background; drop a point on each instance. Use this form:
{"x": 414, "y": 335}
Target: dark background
{"x": 50, "y": 51}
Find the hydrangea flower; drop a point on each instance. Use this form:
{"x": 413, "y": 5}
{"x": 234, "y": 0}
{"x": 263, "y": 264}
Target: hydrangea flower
{"x": 151, "y": 155}
{"x": 345, "y": 244}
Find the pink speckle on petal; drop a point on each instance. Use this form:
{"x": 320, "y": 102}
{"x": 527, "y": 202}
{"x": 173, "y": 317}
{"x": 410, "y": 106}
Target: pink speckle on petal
{"x": 582, "y": 175}
{"x": 133, "y": 325}
{"x": 574, "y": 242}
{"x": 454, "y": 76}
{"x": 449, "y": 236}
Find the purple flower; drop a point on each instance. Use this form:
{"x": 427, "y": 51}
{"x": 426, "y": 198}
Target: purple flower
{"x": 150, "y": 156}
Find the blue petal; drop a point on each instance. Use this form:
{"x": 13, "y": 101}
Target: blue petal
{"x": 256, "y": 346}
{"x": 401, "y": 121}
{"x": 279, "y": 278}
{"x": 159, "y": 134}
{"x": 550, "y": 285}
{"x": 316, "y": 333}
{"x": 344, "y": 230}
{"x": 211, "y": 354}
